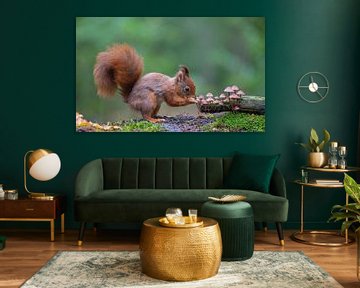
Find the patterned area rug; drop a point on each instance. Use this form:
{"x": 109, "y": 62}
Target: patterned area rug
{"x": 122, "y": 269}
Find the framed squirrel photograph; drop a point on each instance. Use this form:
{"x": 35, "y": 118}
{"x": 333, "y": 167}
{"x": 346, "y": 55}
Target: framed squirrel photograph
{"x": 170, "y": 74}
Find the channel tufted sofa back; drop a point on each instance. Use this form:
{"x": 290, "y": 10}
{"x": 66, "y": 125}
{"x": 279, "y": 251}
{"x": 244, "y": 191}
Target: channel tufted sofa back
{"x": 164, "y": 173}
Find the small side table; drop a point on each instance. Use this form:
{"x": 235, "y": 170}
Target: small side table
{"x": 180, "y": 254}
{"x": 297, "y": 235}
{"x": 27, "y": 209}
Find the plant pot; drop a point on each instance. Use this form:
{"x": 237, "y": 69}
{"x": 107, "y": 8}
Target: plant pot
{"x": 317, "y": 159}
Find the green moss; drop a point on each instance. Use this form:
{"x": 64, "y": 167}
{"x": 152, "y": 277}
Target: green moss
{"x": 140, "y": 126}
{"x": 236, "y": 122}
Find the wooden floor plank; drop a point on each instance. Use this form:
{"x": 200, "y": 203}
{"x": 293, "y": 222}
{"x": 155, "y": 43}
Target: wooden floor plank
{"x": 28, "y": 250}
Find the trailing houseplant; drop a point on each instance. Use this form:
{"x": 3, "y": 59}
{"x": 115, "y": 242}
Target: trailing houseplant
{"x": 317, "y": 157}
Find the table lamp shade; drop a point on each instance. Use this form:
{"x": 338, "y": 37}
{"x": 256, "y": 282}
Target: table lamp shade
{"x": 44, "y": 168}
{"x": 43, "y": 165}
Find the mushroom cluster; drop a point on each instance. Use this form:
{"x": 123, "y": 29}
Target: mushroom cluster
{"x": 229, "y": 100}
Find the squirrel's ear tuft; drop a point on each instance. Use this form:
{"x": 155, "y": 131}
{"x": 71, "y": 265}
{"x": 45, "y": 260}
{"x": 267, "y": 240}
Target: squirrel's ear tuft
{"x": 184, "y": 69}
{"x": 182, "y": 73}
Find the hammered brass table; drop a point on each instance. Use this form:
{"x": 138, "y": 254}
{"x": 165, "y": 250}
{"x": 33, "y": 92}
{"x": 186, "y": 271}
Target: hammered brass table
{"x": 180, "y": 254}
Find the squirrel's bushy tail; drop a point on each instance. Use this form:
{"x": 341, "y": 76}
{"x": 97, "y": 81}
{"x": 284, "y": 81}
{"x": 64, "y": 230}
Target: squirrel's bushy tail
{"x": 120, "y": 66}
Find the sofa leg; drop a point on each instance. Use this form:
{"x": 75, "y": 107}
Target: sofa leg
{"x": 265, "y": 227}
{"x": 280, "y": 233}
{"x": 81, "y": 233}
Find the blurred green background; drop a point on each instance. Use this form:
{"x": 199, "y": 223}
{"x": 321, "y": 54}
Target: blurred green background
{"x": 219, "y": 51}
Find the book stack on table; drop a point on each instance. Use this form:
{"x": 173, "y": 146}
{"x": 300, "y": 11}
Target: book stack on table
{"x": 327, "y": 181}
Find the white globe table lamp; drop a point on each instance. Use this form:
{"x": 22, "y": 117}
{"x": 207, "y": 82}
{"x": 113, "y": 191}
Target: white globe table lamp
{"x": 43, "y": 165}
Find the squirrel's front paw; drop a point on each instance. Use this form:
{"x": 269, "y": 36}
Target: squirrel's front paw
{"x": 192, "y": 100}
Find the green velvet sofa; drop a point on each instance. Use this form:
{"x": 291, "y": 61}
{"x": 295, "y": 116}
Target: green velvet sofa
{"x": 130, "y": 190}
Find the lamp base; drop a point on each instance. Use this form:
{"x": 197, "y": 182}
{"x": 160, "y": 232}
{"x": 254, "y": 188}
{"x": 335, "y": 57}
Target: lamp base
{"x": 41, "y": 196}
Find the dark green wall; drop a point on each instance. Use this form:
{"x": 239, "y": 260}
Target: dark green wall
{"x": 38, "y": 89}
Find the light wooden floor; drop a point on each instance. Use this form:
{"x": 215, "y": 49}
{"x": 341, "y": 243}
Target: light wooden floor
{"x": 28, "y": 250}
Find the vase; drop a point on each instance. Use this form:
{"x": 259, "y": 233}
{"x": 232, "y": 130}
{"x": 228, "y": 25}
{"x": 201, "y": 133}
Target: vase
{"x": 317, "y": 159}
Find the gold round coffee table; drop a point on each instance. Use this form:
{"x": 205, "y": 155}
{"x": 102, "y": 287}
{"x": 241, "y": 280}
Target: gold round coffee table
{"x": 180, "y": 254}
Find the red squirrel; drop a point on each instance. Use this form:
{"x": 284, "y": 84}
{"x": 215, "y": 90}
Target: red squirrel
{"x": 120, "y": 67}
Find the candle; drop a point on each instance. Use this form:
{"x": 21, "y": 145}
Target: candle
{"x": 333, "y": 144}
{"x": 342, "y": 149}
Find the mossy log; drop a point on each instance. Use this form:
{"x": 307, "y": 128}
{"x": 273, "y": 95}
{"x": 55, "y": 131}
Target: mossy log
{"x": 247, "y": 104}
{"x": 252, "y": 104}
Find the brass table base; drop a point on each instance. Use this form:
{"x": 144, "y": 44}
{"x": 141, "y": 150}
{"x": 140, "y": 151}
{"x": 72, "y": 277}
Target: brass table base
{"x": 295, "y": 237}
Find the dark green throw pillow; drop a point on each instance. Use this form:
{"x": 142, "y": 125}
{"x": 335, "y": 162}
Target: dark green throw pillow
{"x": 251, "y": 172}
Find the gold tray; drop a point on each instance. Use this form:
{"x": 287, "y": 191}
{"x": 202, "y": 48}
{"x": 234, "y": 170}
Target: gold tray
{"x": 228, "y": 198}
{"x": 165, "y": 222}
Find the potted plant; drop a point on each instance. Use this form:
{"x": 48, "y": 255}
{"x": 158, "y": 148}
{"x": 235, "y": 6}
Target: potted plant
{"x": 350, "y": 214}
{"x": 317, "y": 157}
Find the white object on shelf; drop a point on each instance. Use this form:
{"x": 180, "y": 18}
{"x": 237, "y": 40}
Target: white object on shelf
{"x": 2, "y": 192}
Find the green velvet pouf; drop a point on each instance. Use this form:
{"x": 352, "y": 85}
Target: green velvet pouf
{"x": 236, "y": 221}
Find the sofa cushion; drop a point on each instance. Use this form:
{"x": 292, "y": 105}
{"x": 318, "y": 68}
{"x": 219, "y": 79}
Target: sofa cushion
{"x": 251, "y": 172}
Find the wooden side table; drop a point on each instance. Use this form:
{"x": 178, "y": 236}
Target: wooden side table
{"x": 27, "y": 209}
{"x": 297, "y": 236}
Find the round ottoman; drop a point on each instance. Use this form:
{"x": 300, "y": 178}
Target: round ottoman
{"x": 236, "y": 221}
{"x": 180, "y": 254}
